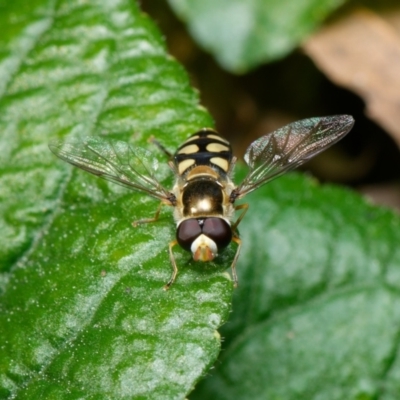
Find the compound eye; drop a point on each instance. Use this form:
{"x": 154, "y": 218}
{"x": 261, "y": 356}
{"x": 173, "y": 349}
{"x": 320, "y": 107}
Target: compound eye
{"x": 218, "y": 230}
{"x": 187, "y": 232}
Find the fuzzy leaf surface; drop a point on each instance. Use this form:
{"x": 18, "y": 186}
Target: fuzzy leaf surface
{"x": 82, "y": 310}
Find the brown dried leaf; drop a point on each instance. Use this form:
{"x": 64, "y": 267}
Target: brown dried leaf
{"x": 362, "y": 53}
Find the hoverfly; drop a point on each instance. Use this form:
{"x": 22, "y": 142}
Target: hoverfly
{"x": 204, "y": 194}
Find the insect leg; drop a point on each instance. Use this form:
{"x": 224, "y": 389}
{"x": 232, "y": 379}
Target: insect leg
{"x": 160, "y": 146}
{"x": 243, "y": 207}
{"x": 173, "y": 263}
{"x": 147, "y": 220}
{"x": 237, "y": 240}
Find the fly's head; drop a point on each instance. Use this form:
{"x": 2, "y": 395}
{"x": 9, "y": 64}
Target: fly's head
{"x": 204, "y": 237}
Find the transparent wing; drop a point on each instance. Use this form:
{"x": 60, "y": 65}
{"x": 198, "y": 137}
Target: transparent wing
{"x": 278, "y": 152}
{"x": 115, "y": 161}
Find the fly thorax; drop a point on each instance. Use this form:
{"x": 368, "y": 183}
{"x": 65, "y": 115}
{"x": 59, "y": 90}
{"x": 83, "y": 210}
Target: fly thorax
{"x": 202, "y": 197}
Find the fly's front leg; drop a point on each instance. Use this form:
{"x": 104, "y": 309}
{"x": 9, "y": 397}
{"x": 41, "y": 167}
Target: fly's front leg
{"x": 243, "y": 207}
{"x": 147, "y": 220}
{"x": 237, "y": 240}
{"x": 173, "y": 263}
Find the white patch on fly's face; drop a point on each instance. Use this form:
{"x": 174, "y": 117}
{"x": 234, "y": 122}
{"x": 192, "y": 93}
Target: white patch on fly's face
{"x": 204, "y": 241}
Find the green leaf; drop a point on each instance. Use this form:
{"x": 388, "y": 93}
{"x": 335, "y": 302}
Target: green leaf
{"x": 243, "y": 34}
{"x": 82, "y": 310}
{"x": 317, "y": 311}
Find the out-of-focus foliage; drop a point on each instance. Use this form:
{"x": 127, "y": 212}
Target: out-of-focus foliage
{"x": 318, "y": 309}
{"x": 244, "y": 34}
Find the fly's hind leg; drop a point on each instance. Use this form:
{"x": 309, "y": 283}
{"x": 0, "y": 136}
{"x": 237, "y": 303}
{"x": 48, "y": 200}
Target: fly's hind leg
{"x": 147, "y": 220}
{"x": 154, "y": 141}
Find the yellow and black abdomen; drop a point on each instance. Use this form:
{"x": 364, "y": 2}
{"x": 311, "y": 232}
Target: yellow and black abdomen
{"x": 205, "y": 147}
